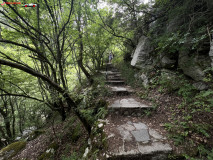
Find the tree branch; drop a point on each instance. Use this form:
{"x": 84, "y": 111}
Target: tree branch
{"x": 33, "y": 73}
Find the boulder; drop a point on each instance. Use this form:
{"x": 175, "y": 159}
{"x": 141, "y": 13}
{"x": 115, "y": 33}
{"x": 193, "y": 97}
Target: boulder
{"x": 26, "y": 133}
{"x": 169, "y": 80}
{"x": 166, "y": 62}
{"x": 141, "y": 57}
{"x": 200, "y": 86}
{"x": 144, "y": 79}
{"x": 189, "y": 66}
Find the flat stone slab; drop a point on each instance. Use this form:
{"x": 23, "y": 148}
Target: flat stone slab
{"x": 141, "y": 135}
{"x": 139, "y": 126}
{"x": 135, "y": 139}
{"x": 115, "y": 81}
{"x": 119, "y": 89}
{"x": 128, "y": 103}
{"x": 114, "y": 78}
{"x": 110, "y": 72}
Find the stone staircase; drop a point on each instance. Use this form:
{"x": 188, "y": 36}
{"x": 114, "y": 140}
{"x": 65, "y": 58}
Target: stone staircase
{"x": 128, "y": 138}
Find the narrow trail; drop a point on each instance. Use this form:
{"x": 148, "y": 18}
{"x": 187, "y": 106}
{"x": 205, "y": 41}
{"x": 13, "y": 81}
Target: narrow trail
{"x": 128, "y": 137}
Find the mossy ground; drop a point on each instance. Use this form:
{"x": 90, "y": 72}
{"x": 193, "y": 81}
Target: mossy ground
{"x": 69, "y": 139}
{"x": 14, "y": 147}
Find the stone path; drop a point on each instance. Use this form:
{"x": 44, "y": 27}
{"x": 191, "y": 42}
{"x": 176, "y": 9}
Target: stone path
{"x": 128, "y": 137}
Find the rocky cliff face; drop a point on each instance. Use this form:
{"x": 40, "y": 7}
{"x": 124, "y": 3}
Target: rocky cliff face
{"x": 189, "y": 66}
{"x": 187, "y": 62}
{"x": 177, "y": 43}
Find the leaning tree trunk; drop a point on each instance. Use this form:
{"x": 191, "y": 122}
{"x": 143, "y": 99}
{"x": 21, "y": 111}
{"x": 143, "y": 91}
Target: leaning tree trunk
{"x": 13, "y": 117}
{"x": 56, "y": 86}
{"x": 71, "y": 104}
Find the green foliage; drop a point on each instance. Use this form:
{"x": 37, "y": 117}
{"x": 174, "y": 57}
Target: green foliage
{"x": 186, "y": 125}
{"x": 100, "y": 32}
{"x": 202, "y": 152}
{"x": 186, "y": 90}
{"x": 93, "y": 114}
{"x": 129, "y": 74}
{"x": 186, "y": 120}
{"x": 170, "y": 81}
{"x": 169, "y": 43}
{"x": 161, "y": 2}
{"x": 76, "y": 133}
{"x": 74, "y": 156}
{"x": 99, "y": 141}
{"x": 49, "y": 153}
{"x": 144, "y": 94}
{"x": 72, "y": 130}
{"x": 93, "y": 105}
{"x": 210, "y": 155}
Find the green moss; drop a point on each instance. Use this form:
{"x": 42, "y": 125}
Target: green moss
{"x": 49, "y": 153}
{"x": 12, "y": 149}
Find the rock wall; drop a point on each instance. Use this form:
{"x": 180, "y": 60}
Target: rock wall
{"x": 188, "y": 62}
{"x": 188, "y": 65}
{"x": 176, "y": 42}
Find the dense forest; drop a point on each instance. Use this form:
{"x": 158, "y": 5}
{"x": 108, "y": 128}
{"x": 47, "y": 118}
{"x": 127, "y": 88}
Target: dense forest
{"x": 52, "y": 56}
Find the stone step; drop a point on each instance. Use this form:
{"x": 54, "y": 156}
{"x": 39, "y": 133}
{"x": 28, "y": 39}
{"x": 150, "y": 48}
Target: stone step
{"x": 115, "y": 79}
{"x": 128, "y": 106}
{"x": 127, "y": 103}
{"x": 111, "y": 72}
{"x": 112, "y": 69}
{"x": 130, "y": 140}
{"x": 119, "y": 90}
{"x": 114, "y": 76}
{"x": 115, "y": 82}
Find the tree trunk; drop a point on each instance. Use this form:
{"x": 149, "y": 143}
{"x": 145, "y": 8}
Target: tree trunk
{"x": 6, "y": 120}
{"x": 7, "y": 127}
{"x": 13, "y": 117}
{"x": 60, "y": 108}
{"x": 71, "y": 104}
{"x": 81, "y": 50}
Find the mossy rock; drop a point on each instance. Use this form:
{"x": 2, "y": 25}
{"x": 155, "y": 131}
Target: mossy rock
{"x": 170, "y": 80}
{"x": 49, "y": 153}
{"x": 35, "y": 134}
{"x": 11, "y": 150}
